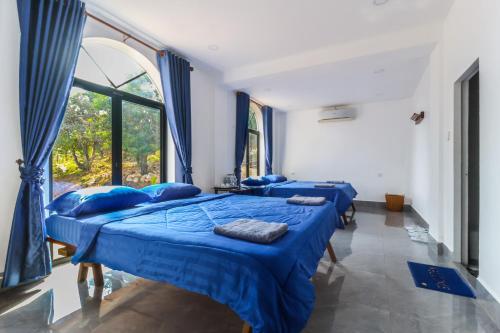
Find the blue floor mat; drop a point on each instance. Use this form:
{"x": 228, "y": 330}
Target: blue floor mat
{"x": 443, "y": 279}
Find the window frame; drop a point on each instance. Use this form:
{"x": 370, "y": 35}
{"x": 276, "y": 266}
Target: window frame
{"x": 117, "y": 97}
{"x": 247, "y": 151}
{"x": 246, "y": 165}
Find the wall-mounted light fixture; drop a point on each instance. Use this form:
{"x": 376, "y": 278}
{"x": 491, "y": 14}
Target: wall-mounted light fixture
{"x": 418, "y": 117}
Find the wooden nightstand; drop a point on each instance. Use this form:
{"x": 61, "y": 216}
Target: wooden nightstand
{"x": 224, "y": 189}
{"x": 242, "y": 191}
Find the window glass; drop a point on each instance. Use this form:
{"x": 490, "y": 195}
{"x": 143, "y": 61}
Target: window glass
{"x": 108, "y": 66}
{"x": 144, "y": 87}
{"x": 250, "y": 166}
{"x": 253, "y": 154}
{"x": 252, "y": 120}
{"x": 82, "y": 153}
{"x": 141, "y": 145}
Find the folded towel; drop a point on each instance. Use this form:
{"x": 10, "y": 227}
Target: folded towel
{"x": 307, "y": 201}
{"x": 252, "y": 230}
{"x": 335, "y": 182}
{"x": 324, "y": 185}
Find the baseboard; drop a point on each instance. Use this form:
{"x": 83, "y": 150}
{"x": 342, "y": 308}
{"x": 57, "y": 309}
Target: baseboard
{"x": 369, "y": 204}
{"x": 421, "y": 221}
{"x": 376, "y": 204}
{"x": 443, "y": 250}
{"x": 488, "y": 288}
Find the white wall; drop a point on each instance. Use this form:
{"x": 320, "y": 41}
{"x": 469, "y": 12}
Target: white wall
{"x": 371, "y": 152}
{"x": 424, "y": 177}
{"x": 202, "y": 120}
{"x": 224, "y": 133}
{"x": 212, "y": 126}
{"x": 10, "y": 144}
{"x": 462, "y": 45}
{"x": 489, "y": 53}
{"x": 279, "y": 140}
{"x": 470, "y": 32}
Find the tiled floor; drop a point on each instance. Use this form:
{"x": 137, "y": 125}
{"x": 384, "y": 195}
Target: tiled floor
{"x": 368, "y": 290}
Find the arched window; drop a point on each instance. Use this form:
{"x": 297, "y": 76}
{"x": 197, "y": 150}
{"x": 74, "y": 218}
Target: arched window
{"x": 251, "y": 160}
{"x": 114, "y": 130}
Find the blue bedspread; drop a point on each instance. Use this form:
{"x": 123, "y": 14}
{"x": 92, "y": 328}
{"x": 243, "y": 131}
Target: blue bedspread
{"x": 266, "y": 285}
{"x": 341, "y": 195}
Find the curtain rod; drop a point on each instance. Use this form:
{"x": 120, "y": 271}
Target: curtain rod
{"x": 129, "y": 36}
{"x": 257, "y": 102}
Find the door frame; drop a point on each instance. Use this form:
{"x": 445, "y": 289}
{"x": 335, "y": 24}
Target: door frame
{"x": 460, "y": 253}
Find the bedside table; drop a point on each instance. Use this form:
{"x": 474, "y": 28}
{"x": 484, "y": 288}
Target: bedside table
{"x": 224, "y": 189}
{"x": 242, "y": 191}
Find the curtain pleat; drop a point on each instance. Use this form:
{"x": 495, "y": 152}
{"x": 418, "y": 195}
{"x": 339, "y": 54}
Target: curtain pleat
{"x": 176, "y": 83}
{"x": 51, "y": 35}
{"x": 267, "y": 116}
{"x": 242, "y": 114}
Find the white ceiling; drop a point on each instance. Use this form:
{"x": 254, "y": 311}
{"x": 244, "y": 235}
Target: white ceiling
{"x": 386, "y": 76}
{"x": 255, "y": 35}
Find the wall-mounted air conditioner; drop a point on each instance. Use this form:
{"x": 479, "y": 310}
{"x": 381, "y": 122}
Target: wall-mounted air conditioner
{"x": 336, "y": 113}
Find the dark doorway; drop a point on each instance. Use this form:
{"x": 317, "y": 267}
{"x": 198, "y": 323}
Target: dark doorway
{"x": 470, "y": 170}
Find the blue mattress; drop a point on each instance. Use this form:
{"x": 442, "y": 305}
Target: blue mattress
{"x": 342, "y": 194}
{"x": 67, "y": 229}
{"x": 266, "y": 285}
{"x": 64, "y": 229}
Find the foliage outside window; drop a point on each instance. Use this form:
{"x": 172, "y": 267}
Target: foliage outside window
{"x": 82, "y": 153}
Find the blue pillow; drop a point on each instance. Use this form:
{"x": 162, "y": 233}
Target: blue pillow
{"x": 171, "y": 191}
{"x": 250, "y": 181}
{"x": 96, "y": 200}
{"x": 275, "y": 178}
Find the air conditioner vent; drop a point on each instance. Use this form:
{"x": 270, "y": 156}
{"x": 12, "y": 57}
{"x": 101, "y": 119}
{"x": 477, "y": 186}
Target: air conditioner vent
{"x": 337, "y": 113}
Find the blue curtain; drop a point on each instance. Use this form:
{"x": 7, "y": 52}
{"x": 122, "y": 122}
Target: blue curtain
{"x": 176, "y": 82}
{"x": 51, "y": 34}
{"x": 267, "y": 116}
{"x": 242, "y": 114}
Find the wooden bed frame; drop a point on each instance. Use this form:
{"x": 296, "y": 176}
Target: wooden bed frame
{"x": 349, "y": 219}
{"x": 68, "y": 250}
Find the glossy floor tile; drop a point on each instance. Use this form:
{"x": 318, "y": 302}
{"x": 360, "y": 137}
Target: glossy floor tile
{"x": 370, "y": 289}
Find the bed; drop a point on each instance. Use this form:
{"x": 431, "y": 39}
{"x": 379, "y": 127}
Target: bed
{"x": 268, "y": 286}
{"x": 342, "y": 195}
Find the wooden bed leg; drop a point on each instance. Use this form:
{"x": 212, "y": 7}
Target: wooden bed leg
{"x": 353, "y": 212}
{"x": 83, "y": 272}
{"x": 329, "y": 247}
{"x": 344, "y": 219}
{"x": 246, "y": 328}
{"x": 98, "y": 277}
{"x": 51, "y": 247}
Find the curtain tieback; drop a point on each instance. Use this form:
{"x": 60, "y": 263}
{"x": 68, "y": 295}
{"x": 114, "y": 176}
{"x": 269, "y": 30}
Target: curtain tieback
{"x": 30, "y": 174}
{"x": 188, "y": 171}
